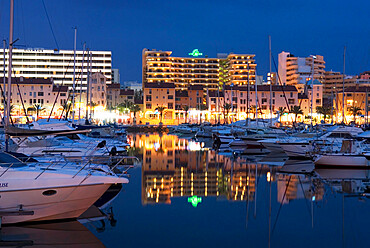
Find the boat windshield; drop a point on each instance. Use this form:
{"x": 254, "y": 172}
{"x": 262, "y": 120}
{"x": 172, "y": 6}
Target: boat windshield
{"x": 7, "y": 160}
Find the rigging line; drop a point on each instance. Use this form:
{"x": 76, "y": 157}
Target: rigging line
{"x": 281, "y": 204}
{"x": 20, "y": 95}
{"x": 56, "y": 98}
{"x": 51, "y": 27}
{"x": 281, "y": 84}
{"x": 22, "y": 18}
{"x": 304, "y": 194}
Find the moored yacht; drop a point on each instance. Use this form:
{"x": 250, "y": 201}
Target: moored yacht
{"x": 45, "y": 191}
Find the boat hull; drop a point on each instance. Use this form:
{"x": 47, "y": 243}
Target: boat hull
{"x": 342, "y": 161}
{"x": 297, "y": 150}
{"x": 67, "y": 203}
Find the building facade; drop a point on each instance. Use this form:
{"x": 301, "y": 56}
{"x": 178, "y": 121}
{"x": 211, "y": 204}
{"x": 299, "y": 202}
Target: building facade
{"x": 162, "y": 67}
{"x": 293, "y": 70}
{"x": 354, "y": 97}
{"x": 43, "y": 63}
{"x": 27, "y": 93}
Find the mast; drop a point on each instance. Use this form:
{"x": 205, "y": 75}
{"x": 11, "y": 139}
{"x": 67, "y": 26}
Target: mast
{"x": 247, "y": 120}
{"x": 344, "y": 71}
{"x": 256, "y": 91}
{"x": 74, "y": 77}
{"x": 4, "y": 79}
{"x": 7, "y": 108}
{"x": 87, "y": 86}
{"x": 366, "y": 109}
{"x": 312, "y": 88}
{"x": 270, "y": 83}
{"x": 82, "y": 76}
{"x": 90, "y": 85}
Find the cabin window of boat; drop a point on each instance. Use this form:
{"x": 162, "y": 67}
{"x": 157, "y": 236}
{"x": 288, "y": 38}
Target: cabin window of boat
{"x": 7, "y": 160}
{"x": 340, "y": 135}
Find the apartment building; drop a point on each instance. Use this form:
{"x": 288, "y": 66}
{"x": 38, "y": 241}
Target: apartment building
{"x": 159, "y": 95}
{"x": 333, "y": 82}
{"x": 58, "y": 64}
{"x": 356, "y": 96}
{"x": 294, "y": 70}
{"x": 211, "y": 73}
{"x": 305, "y": 96}
{"x": 27, "y": 92}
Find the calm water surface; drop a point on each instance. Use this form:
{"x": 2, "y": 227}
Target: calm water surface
{"x": 187, "y": 195}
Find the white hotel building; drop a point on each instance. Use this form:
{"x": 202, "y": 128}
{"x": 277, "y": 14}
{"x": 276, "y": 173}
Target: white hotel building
{"x": 41, "y": 63}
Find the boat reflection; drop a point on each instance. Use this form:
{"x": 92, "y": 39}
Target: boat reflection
{"x": 346, "y": 181}
{"x": 64, "y": 234}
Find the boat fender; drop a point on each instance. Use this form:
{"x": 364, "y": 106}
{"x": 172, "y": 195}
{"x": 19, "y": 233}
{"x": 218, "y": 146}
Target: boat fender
{"x": 101, "y": 144}
{"x": 113, "y": 151}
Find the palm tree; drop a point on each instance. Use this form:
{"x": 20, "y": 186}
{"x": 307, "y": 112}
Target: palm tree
{"x": 186, "y": 109}
{"x": 161, "y": 110}
{"x": 296, "y": 110}
{"x": 324, "y": 110}
{"x": 127, "y": 104}
{"x": 355, "y": 111}
{"x": 253, "y": 109}
{"x": 227, "y": 108}
{"x": 92, "y": 106}
{"x": 38, "y": 108}
{"x": 122, "y": 107}
{"x": 135, "y": 108}
{"x": 281, "y": 112}
{"x": 201, "y": 107}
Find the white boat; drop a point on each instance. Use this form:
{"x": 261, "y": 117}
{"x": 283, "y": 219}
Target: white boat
{"x": 45, "y": 191}
{"x": 350, "y": 155}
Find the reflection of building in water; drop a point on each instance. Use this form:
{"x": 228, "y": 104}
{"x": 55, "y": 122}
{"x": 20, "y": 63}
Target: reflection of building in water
{"x": 174, "y": 167}
{"x": 291, "y": 187}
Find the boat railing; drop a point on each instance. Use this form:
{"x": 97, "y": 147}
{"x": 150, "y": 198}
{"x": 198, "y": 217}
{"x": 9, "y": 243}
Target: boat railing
{"x": 8, "y": 167}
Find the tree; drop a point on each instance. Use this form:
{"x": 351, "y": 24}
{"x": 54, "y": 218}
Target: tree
{"x": 296, "y": 110}
{"x": 355, "y": 111}
{"x": 38, "y": 108}
{"x": 161, "y": 109}
{"x": 123, "y": 107}
{"x": 253, "y": 109}
{"x": 201, "y": 107}
{"x": 186, "y": 109}
{"x": 324, "y": 110}
{"x": 127, "y": 104}
{"x": 281, "y": 112}
{"x": 227, "y": 108}
{"x": 135, "y": 108}
{"x": 92, "y": 106}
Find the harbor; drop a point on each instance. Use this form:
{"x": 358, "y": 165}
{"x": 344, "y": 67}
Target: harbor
{"x": 147, "y": 125}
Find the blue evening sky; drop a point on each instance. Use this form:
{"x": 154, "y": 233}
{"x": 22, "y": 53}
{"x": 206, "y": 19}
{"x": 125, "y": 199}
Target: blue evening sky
{"x": 213, "y": 26}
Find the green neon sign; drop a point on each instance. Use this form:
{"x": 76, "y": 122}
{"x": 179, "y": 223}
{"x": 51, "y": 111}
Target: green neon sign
{"x": 194, "y": 200}
{"x": 195, "y": 53}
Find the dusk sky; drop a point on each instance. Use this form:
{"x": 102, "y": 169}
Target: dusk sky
{"x": 214, "y": 26}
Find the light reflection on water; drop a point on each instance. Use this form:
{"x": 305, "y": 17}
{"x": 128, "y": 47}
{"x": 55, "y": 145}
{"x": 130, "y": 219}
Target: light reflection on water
{"x": 184, "y": 193}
